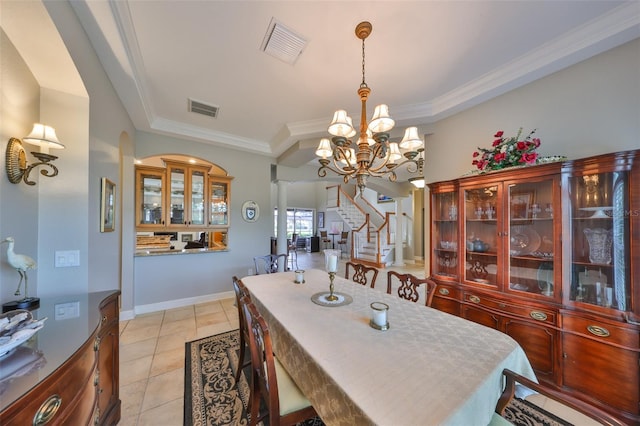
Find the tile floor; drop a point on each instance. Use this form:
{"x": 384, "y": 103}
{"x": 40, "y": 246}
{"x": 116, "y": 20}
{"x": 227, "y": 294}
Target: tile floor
{"x": 152, "y": 351}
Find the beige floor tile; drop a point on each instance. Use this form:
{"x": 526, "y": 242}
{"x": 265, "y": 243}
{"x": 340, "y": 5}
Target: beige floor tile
{"x": 135, "y": 370}
{"x": 128, "y": 421}
{"x": 169, "y": 414}
{"x": 209, "y": 308}
{"x": 178, "y": 314}
{"x": 139, "y": 334}
{"x": 139, "y": 349}
{"x": 164, "y": 388}
{"x": 228, "y": 303}
{"x": 180, "y": 326}
{"x": 210, "y": 330}
{"x": 174, "y": 341}
{"x": 166, "y": 361}
{"x": 146, "y": 320}
{"x": 131, "y": 396}
{"x": 123, "y": 325}
{"x": 211, "y": 319}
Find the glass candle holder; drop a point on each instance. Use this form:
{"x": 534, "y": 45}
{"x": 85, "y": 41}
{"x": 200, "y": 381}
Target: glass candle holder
{"x": 379, "y": 319}
{"x": 299, "y": 276}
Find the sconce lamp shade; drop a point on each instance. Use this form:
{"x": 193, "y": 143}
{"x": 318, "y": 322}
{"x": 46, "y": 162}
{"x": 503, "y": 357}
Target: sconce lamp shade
{"x": 324, "y": 149}
{"x": 381, "y": 122}
{"x": 418, "y": 182}
{"x": 411, "y": 140}
{"x": 43, "y": 136}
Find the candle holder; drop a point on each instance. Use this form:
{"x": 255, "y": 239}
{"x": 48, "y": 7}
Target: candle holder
{"x": 331, "y": 297}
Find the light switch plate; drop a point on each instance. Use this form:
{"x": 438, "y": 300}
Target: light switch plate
{"x": 67, "y": 258}
{"x": 67, "y": 310}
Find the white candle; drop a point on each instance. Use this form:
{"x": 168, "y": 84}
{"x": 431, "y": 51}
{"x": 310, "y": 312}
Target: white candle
{"x": 380, "y": 318}
{"x": 299, "y": 276}
{"x": 379, "y": 313}
{"x": 332, "y": 263}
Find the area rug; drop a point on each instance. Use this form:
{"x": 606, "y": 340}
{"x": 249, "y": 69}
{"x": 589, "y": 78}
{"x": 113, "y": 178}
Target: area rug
{"x": 213, "y": 398}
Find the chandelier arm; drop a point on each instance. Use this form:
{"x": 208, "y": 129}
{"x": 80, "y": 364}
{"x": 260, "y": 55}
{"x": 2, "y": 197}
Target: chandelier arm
{"x": 322, "y": 171}
{"x": 343, "y": 152}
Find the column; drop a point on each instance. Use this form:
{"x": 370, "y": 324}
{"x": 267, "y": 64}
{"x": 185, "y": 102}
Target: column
{"x": 282, "y": 220}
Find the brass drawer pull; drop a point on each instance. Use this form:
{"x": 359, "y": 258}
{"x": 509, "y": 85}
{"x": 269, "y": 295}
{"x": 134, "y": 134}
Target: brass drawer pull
{"x": 47, "y": 410}
{"x": 538, "y": 316}
{"x": 473, "y": 298}
{"x": 96, "y": 378}
{"x": 443, "y": 291}
{"x": 598, "y": 331}
{"x": 104, "y": 319}
{"x": 96, "y": 344}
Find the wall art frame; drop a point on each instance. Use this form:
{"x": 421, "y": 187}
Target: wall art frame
{"x": 107, "y": 205}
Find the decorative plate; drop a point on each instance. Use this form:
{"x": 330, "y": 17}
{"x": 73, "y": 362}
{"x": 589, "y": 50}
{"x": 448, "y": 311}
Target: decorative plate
{"x": 250, "y": 211}
{"x": 524, "y": 240}
{"x": 321, "y": 299}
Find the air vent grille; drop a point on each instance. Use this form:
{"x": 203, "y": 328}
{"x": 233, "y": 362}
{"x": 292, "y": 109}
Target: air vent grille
{"x": 282, "y": 43}
{"x": 204, "y": 109}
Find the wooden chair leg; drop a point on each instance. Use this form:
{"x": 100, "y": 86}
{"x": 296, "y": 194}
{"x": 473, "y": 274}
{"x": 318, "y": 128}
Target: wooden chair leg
{"x": 241, "y": 357}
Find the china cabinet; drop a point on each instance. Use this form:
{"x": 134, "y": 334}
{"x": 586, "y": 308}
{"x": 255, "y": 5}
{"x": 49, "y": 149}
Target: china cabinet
{"x": 150, "y": 196}
{"x": 548, "y": 254}
{"x": 181, "y": 196}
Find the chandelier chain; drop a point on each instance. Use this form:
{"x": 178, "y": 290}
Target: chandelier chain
{"x": 363, "y": 84}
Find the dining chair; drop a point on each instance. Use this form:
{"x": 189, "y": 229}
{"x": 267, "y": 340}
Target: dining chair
{"x": 362, "y": 274}
{"x": 408, "y": 286}
{"x": 241, "y": 291}
{"x": 284, "y": 402}
{"x": 324, "y": 239}
{"x": 560, "y": 404}
{"x": 344, "y": 240}
{"x": 292, "y": 246}
{"x": 269, "y": 264}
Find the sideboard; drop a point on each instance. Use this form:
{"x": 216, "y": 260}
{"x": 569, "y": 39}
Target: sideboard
{"x": 550, "y": 255}
{"x": 68, "y": 372}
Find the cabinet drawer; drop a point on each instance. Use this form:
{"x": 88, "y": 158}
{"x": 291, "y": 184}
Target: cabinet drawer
{"x": 602, "y": 331}
{"x": 540, "y": 315}
{"x": 447, "y": 291}
{"x": 109, "y": 312}
{"x": 59, "y": 391}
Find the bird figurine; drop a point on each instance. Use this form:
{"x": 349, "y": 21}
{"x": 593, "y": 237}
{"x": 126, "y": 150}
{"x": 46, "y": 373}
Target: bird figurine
{"x": 21, "y": 263}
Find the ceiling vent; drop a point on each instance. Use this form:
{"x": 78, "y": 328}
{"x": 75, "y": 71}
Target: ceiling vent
{"x": 204, "y": 109}
{"x": 282, "y": 43}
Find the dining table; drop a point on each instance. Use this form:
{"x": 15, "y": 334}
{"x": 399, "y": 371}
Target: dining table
{"x": 427, "y": 368}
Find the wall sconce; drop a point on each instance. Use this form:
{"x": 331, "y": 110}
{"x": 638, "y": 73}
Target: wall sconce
{"x": 16, "y": 158}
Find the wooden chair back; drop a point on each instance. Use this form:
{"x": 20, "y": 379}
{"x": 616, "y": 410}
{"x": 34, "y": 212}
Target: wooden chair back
{"x": 264, "y": 382}
{"x": 567, "y": 400}
{"x": 362, "y": 274}
{"x": 409, "y": 285}
{"x": 269, "y": 264}
{"x": 241, "y": 292}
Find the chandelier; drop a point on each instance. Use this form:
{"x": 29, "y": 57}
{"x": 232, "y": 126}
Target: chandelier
{"x": 375, "y": 155}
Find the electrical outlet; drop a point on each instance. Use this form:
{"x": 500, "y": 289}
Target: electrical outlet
{"x": 67, "y": 310}
{"x": 67, "y": 258}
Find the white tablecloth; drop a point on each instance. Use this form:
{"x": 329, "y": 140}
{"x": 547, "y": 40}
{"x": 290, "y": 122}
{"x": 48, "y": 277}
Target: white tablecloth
{"x": 429, "y": 368}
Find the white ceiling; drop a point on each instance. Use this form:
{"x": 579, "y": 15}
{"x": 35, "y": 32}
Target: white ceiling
{"x": 425, "y": 59}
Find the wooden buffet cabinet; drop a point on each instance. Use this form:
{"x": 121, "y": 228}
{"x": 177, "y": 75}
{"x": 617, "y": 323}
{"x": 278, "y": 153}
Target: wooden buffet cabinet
{"x": 550, "y": 255}
{"x": 68, "y": 373}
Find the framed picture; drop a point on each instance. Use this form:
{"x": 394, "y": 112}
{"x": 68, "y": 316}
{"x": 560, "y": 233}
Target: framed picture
{"x": 520, "y": 204}
{"x": 107, "y": 206}
{"x": 384, "y": 199}
{"x": 320, "y": 220}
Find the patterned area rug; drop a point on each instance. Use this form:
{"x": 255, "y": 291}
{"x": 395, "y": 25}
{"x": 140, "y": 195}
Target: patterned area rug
{"x": 212, "y": 397}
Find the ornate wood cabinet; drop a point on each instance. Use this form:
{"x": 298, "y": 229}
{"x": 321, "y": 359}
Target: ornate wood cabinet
{"x": 74, "y": 377}
{"x": 549, "y": 255}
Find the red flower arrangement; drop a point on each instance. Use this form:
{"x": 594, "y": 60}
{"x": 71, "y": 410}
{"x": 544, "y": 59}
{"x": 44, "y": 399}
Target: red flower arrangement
{"x": 507, "y": 152}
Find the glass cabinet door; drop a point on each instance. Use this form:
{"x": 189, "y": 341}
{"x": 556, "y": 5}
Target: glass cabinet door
{"x": 445, "y": 234}
{"x": 150, "y": 191}
{"x": 196, "y": 195}
{"x": 532, "y": 251}
{"x": 600, "y": 226}
{"x": 218, "y": 208}
{"x": 177, "y": 196}
{"x": 481, "y": 213}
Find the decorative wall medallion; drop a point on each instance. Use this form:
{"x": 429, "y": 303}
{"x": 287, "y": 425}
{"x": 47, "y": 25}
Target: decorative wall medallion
{"x": 250, "y": 211}
{"x": 16, "y": 160}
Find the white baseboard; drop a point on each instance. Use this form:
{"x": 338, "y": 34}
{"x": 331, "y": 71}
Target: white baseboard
{"x": 172, "y": 304}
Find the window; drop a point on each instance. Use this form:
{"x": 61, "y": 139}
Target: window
{"x": 299, "y": 221}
